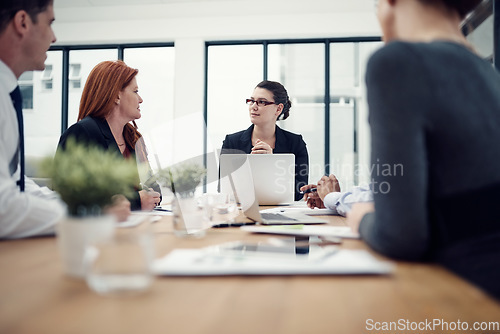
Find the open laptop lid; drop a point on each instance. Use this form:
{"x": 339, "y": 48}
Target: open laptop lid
{"x": 273, "y": 175}
{"x": 236, "y": 178}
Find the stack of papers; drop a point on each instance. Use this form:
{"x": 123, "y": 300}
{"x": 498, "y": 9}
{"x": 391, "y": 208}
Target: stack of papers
{"x": 138, "y": 217}
{"x": 204, "y": 262}
{"x": 301, "y": 209}
{"x": 304, "y": 230}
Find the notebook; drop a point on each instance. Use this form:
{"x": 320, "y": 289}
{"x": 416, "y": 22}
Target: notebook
{"x": 273, "y": 175}
{"x": 239, "y": 181}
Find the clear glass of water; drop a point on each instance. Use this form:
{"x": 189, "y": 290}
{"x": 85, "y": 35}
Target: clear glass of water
{"x": 218, "y": 208}
{"x": 120, "y": 265}
{"x": 188, "y": 217}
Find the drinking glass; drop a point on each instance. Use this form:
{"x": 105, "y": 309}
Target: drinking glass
{"x": 218, "y": 208}
{"x": 188, "y": 217}
{"x": 120, "y": 264}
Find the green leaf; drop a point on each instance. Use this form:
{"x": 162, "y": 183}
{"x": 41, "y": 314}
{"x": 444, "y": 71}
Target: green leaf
{"x": 86, "y": 177}
{"x": 182, "y": 178}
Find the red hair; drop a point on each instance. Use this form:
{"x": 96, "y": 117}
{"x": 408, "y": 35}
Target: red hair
{"x": 101, "y": 90}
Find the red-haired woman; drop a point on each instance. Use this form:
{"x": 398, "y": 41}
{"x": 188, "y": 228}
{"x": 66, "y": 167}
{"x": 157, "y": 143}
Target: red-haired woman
{"x": 109, "y": 106}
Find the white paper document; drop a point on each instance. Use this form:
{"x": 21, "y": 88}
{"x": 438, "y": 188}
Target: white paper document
{"x": 138, "y": 217}
{"x": 301, "y": 208}
{"x": 304, "y": 230}
{"x": 204, "y": 262}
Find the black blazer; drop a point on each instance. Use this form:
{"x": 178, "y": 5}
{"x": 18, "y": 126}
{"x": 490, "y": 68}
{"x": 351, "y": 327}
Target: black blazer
{"x": 286, "y": 142}
{"x": 97, "y": 131}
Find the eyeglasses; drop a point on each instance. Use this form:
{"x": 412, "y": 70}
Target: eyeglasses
{"x": 260, "y": 103}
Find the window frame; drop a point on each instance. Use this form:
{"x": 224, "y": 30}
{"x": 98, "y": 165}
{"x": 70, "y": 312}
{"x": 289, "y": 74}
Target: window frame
{"x": 327, "y": 94}
{"x": 66, "y": 69}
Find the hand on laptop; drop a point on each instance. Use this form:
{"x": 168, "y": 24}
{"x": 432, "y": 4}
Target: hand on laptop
{"x": 261, "y": 147}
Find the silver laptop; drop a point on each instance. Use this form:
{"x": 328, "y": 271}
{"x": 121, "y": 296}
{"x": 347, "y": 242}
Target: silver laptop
{"x": 273, "y": 175}
{"x": 239, "y": 181}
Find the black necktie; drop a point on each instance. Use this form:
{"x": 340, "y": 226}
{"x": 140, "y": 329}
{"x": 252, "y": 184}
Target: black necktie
{"x": 17, "y": 100}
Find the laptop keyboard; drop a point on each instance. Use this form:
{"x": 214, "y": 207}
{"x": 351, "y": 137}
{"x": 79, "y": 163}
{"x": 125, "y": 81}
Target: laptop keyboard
{"x": 275, "y": 216}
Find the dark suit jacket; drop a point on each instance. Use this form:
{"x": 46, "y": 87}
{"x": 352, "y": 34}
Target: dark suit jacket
{"x": 96, "y": 131}
{"x": 286, "y": 142}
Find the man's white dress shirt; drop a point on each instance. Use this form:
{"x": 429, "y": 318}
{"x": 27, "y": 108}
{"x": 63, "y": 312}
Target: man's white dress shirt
{"x": 341, "y": 202}
{"x": 36, "y": 210}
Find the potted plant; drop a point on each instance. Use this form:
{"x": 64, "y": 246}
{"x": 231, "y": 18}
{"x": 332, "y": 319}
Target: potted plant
{"x": 86, "y": 178}
{"x": 182, "y": 180}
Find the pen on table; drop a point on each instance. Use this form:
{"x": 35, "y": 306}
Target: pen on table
{"x": 158, "y": 208}
{"x": 235, "y": 224}
{"x": 310, "y": 190}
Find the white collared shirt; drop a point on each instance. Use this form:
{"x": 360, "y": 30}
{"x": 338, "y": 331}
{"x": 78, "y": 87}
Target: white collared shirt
{"x": 341, "y": 202}
{"x": 22, "y": 214}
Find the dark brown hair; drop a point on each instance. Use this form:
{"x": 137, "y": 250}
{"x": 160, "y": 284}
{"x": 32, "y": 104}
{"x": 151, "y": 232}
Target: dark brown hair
{"x": 463, "y": 7}
{"x": 9, "y": 8}
{"x": 280, "y": 95}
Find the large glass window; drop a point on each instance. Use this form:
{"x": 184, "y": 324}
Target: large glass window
{"x": 42, "y": 122}
{"x": 75, "y": 77}
{"x": 344, "y": 94}
{"x": 348, "y": 111}
{"x": 301, "y": 69}
{"x": 81, "y": 62}
{"x": 25, "y": 82}
{"x": 233, "y": 72}
{"x": 156, "y": 83}
{"x": 47, "y": 77}
{"x": 234, "y": 69}
{"x": 43, "y": 93}
{"x": 362, "y": 169}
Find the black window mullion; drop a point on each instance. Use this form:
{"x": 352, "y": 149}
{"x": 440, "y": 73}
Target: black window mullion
{"x": 327, "y": 107}
{"x": 266, "y": 59}
{"x": 205, "y": 117}
{"x": 65, "y": 89}
{"x": 355, "y": 112}
{"x": 121, "y": 51}
{"x": 496, "y": 34}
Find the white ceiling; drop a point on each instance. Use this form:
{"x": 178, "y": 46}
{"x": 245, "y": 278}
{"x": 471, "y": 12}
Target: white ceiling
{"x": 94, "y": 21}
{"x": 105, "y": 3}
{"x": 88, "y": 10}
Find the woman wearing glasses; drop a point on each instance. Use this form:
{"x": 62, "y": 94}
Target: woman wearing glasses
{"x": 434, "y": 109}
{"x": 269, "y": 103}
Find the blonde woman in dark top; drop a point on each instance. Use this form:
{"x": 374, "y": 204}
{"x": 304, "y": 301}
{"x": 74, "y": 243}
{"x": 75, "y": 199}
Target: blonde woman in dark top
{"x": 434, "y": 109}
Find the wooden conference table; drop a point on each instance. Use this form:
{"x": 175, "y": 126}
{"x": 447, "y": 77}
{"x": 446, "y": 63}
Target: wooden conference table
{"x": 36, "y": 297}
